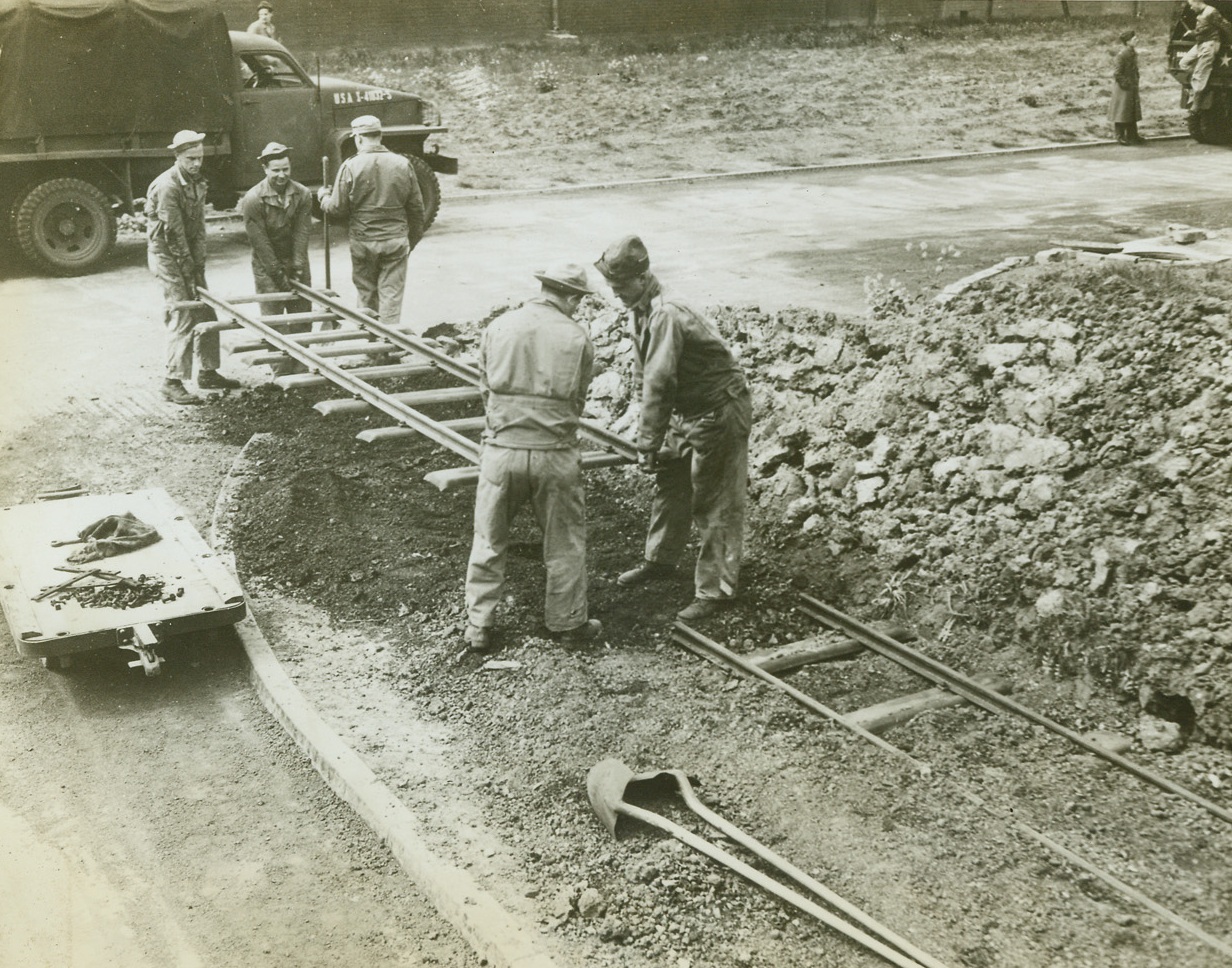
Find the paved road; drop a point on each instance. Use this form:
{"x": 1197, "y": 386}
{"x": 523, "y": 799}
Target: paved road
{"x": 806, "y": 239}
{"x": 171, "y": 816}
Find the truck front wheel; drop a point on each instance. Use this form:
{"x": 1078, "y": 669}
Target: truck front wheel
{"x": 65, "y": 225}
{"x": 1214, "y": 125}
{"x": 429, "y": 187}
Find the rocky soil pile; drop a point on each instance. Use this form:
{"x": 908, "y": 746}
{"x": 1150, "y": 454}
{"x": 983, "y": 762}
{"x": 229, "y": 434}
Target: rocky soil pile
{"x": 1045, "y": 459}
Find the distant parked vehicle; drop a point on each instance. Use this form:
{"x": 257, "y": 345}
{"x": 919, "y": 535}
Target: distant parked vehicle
{"x": 1213, "y": 125}
{"x": 88, "y": 106}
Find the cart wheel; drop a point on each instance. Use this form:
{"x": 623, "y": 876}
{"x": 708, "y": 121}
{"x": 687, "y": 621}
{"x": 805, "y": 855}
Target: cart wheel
{"x": 57, "y": 663}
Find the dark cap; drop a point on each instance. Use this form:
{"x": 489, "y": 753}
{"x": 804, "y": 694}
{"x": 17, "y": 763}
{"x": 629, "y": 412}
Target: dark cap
{"x": 624, "y": 259}
{"x": 1127, "y": 35}
{"x": 265, "y": 6}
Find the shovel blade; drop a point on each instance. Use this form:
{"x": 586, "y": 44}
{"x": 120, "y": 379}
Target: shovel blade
{"x": 605, "y": 787}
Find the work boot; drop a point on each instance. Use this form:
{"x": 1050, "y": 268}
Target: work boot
{"x": 478, "y": 639}
{"x": 646, "y": 571}
{"x": 584, "y": 634}
{"x": 703, "y": 608}
{"x": 213, "y": 380}
{"x": 173, "y": 391}
{"x": 1120, "y": 134}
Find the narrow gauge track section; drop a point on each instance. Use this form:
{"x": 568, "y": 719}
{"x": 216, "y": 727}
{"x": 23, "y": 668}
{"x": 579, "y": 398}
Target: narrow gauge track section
{"x": 351, "y": 332}
{"x": 980, "y": 695}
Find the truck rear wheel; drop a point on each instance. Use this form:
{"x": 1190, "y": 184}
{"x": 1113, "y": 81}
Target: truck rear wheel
{"x": 65, "y": 225}
{"x": 429, "y": 187}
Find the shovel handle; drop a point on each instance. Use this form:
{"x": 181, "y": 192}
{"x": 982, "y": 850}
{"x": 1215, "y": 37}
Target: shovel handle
{"x": 780, "y": 891}
{"x": 774, "y": 859}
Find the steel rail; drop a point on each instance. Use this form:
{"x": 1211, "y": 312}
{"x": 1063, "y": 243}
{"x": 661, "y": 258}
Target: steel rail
{"x": 371, "y": 395}
{"x": 709, "y": 649}
{"x": 463, "y": 371}
{"x": 985, "y": 698}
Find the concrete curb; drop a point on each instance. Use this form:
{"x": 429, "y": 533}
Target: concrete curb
{"x": 490, "y": 930}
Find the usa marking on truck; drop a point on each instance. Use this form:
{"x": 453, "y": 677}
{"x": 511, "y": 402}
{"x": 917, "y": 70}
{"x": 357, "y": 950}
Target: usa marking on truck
{"x": 361, "y": 97}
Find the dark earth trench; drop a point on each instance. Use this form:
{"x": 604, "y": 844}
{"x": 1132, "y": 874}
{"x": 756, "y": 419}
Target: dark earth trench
{"x": 1033, "y": 477}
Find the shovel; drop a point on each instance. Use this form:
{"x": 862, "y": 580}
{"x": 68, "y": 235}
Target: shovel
{"x": 608, "y": 782}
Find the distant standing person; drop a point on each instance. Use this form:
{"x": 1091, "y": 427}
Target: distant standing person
{"x": 264, "y": 24}
{"x": 1125, "y": 111}
{"x": 696, "y": 406}
{"x": 175, "y": 231}
{"x": 378, "y": 192}
{"x": 1210, "y": 31}
{"x": 535, "y": 366}
{"x": 277, "y": 215}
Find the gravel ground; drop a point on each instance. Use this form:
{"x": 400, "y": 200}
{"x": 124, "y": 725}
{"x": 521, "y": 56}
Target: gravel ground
{"x": 550, "y": 114}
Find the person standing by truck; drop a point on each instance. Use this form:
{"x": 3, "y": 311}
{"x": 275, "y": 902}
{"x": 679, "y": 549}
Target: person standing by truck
{"x": 175, "y": 230}
{"x": 1209, "y": 32}
{"x": 277, "y": 217}
{"x": 263, "y": 26}
{"x": 1125, "y": 111}
{"x": 378, "y": 192}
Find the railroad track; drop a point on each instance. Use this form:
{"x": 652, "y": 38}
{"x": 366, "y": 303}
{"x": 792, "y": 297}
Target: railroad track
{"x": 346, "y": 332}
{"x": 955, "y": 687}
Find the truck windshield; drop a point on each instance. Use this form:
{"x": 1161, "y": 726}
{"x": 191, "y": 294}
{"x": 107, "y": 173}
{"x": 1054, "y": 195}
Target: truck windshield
{"x": 269, "y": 70}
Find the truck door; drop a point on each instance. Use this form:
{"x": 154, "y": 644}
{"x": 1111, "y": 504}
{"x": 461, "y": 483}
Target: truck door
{"x": 275, "y": 102}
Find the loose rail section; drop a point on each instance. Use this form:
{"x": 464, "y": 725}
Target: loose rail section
{"x": 315, "y": 352}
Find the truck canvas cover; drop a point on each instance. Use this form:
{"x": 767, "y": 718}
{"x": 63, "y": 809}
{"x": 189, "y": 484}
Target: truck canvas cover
{"x": 72, "y": 68}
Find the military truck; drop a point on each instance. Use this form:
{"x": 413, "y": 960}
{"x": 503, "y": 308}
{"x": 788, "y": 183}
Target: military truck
{"x": 1212, "y": 124}
{"x": 91, "y": 95}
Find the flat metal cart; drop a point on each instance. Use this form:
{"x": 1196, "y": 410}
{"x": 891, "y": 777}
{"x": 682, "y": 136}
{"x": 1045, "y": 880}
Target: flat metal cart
{"x": 35, "y": 543}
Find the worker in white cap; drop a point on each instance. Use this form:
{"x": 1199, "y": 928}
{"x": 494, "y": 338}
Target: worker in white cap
{"x": 377, "y": 192}
{"x": 535, "y": 366}
{"x": 175, "y": 229}
{"x": 277, "y": 217}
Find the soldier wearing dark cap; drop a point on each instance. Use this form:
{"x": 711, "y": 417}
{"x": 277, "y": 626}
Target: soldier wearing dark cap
{"x": 263, "y": 26}
{"x": 175, "y": 231}
{"x": 1125, "y": 110}
{"x": 535, "y": 365}
{"x": 697, "y": 411}
{"x": 277, "y": 217}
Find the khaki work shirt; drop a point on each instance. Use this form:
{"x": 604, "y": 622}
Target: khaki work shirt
{"x": 685, "y": 366}
{"x": 175, "y": 221}
{"x": 535, "y": 367}
{"x": 377, "y": 190}
{"x": 278, "y": 226}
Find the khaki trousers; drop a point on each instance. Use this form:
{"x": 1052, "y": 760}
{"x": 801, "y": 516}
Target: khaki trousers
{"x": 1201, "y": 58}
{"x": 706, "y": 486}
{"x": 378, "y": 270}
{"x": 551, "y": 481}
{"x": 182, "y": 342}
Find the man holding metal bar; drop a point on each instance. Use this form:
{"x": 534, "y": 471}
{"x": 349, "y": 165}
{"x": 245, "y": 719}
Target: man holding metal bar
{"x": 277, "y": 215}
{"x": 175, "y": 229}
{"x": 377, "y": 191}
{"x": 696, "y": 408}
{"x": 535, "y": 367}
